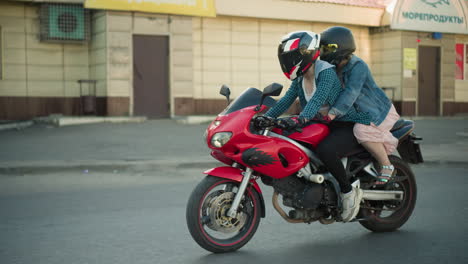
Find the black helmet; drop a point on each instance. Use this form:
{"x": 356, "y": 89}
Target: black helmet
{"x": 336, "y": 44}
{"x": 297, "y": 51}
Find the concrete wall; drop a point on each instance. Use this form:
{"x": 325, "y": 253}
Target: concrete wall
{"x": 447, "y": 65}
{"x": 39, "y": 78}
{"x": 122, "y": 26}
{"x": 234, "y": 49}
{"x": 33, "y": 68}
{"x": 242, "y": 52}
{"x": 461, "y": 86}
{"x": 47, "y": 73}
{"x": 98, "y": 52}
{"x": 310, "y": 11}
{"x": 387, "y": 65}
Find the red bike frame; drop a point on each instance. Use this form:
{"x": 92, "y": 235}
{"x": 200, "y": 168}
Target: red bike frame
{"x": 271, "y": 156}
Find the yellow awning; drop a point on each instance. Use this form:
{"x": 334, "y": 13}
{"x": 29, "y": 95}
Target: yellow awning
{"x": 177, "y": 7}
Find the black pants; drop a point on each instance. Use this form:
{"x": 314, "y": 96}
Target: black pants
{"x": 336, "y": 145}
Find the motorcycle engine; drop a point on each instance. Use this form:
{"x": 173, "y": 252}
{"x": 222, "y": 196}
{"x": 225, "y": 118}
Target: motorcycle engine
{"x": 296, "y": 192}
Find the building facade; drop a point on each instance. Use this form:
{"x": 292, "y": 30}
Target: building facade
{"x": 170, "y": 59}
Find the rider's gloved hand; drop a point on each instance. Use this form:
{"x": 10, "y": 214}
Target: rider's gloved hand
{"x": 263, "y": 121}
{"x": 287, "y": 123}
{"x": 290, "y": 123}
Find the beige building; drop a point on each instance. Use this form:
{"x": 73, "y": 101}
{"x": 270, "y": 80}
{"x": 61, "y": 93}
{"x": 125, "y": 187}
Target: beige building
{"x": 167, "y": 62}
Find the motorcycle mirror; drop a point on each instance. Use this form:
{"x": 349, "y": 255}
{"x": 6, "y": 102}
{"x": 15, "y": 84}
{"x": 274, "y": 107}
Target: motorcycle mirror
{"x": 225, "y": 91}
{"x": 273, "y": 89}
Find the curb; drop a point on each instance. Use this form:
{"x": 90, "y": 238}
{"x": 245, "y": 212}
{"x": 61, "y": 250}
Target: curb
{"x": 102, "y": 166}
{"x": 142, "y": 166}
{"x": 16, "y": 125}
{"x": 59, "y": 121}
{"x": 194, "y": 120}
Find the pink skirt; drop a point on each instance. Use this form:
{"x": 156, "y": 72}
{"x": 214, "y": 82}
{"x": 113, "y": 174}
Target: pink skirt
{"x": 381, "y": 133}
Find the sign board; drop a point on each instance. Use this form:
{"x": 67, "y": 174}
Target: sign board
{"x": 177, "y": 7}
{"x": 409, "y": 62}
{"x": 446, "y": 16}
{"x": 409, "y": 59}
{"x": 459, "y": 61}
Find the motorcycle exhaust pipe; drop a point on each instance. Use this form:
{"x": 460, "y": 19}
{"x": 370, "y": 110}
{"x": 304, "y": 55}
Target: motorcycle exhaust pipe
{"x": 282, "y": 212}
{"x": 381, "y": 195}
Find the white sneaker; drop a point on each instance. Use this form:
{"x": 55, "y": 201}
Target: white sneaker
{"x": 351, "y": 203}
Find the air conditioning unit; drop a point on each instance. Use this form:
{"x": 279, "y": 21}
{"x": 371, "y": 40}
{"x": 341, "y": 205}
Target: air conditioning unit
{"x": 64, "y": 23}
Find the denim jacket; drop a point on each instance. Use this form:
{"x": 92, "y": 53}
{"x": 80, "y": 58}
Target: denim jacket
{"x": 361, "y": 93}
{"x": 328, "y": 90}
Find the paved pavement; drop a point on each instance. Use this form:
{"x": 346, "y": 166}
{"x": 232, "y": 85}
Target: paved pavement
{"x": 139, "y": 218}
{"x": 153, "y": 144}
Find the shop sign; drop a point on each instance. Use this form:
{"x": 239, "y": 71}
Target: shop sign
{"x": 409, "y": 62}
{"x": 447, "y": 16}
{"x": 459, "y": 61}
{"x": 177, "y": 7}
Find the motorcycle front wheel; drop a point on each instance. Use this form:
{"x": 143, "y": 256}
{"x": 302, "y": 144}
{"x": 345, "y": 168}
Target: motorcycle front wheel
{"x": 207, "y": 218}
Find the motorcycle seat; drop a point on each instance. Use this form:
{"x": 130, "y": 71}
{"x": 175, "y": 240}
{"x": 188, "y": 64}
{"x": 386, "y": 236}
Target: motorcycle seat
{"x": 402, "y": 128}
{"x": 401, "y": 123}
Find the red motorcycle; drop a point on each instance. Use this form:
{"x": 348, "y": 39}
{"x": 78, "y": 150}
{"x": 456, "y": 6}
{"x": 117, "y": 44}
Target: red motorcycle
{"x": 224, "y": 210}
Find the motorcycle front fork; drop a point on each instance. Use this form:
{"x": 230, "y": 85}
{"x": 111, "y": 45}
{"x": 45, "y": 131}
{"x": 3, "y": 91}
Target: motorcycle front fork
{"x": 232, "y": 212}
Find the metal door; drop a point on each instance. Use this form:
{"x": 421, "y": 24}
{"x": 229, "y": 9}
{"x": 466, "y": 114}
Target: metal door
{"x": 151, "y": 76}
{"x": 428, "y": 81}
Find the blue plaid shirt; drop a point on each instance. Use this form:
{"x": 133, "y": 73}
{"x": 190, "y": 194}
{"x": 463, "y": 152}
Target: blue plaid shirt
{"x": 328, "y": 89}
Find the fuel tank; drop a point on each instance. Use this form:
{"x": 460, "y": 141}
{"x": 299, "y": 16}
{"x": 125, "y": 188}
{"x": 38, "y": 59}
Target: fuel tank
{"x": 312, "y": 134}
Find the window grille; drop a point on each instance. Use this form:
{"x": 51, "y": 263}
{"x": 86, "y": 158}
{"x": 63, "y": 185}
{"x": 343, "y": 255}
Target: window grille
{"x": 64, "y": 23}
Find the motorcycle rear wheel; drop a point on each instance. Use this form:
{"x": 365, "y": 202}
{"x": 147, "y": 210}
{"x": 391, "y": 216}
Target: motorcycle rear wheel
{"x": 206, "y": 215}
{"x": 399, "y": 212}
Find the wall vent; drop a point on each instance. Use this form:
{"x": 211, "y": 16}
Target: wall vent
{"x": 64, "y": 23}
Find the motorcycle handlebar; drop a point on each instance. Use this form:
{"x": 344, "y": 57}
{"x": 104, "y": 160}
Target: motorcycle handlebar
{"x": 262, "y": 122}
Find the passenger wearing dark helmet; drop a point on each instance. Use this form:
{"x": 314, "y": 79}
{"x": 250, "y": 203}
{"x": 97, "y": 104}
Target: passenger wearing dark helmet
{"x": 361, "y": 92}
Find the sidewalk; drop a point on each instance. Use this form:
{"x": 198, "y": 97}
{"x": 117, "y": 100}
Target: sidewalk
{"x": 167, "y": 144}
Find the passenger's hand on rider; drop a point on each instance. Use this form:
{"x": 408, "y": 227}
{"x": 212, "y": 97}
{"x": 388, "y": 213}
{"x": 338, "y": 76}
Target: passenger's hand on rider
{"x": 323, "y": 118}
{"x": 331, "y": 116}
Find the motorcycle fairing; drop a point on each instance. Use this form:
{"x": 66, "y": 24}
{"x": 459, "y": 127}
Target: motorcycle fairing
{"x": 255, "y": 157}
{"x": 284, "y": 159}
{"x": 232, "y": 174}
{"x": 312, "y": 134}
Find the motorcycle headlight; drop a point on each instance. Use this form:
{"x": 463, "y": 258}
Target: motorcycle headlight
{"x": 220, "y": 139}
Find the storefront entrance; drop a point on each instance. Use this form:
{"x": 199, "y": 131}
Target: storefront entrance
{"x": 428, "y": 81}
{"x": 151, "y": 76}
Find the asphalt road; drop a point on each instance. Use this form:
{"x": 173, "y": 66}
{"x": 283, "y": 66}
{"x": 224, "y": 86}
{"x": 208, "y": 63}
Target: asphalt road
{"x": 140, "y": 218}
